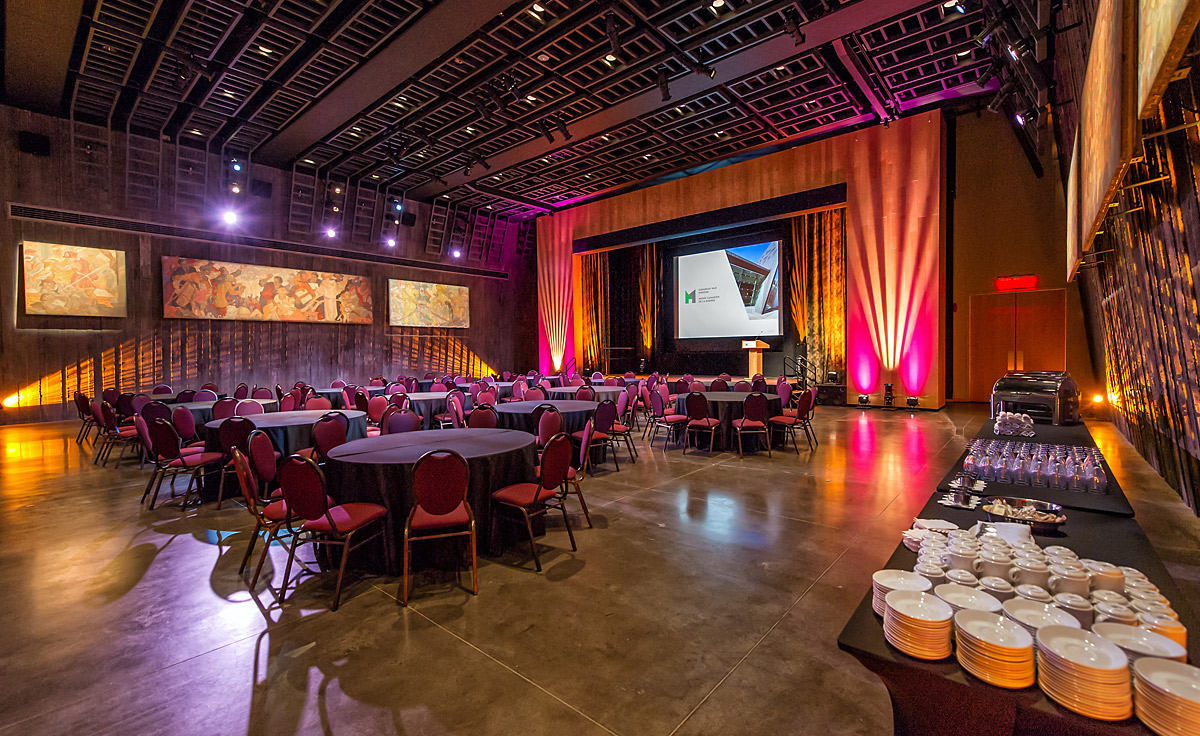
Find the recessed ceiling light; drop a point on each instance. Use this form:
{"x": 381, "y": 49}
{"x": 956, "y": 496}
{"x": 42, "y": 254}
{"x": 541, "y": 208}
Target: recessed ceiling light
{"x": 265, "y": 50}
{"x": 647, "y": 157}
{"x": 531, "y": 98}
{"x": 402, "y": 98}
{"x": 543, "y": 58}
{"x": 356, "y": 128}
{"x": 470, "y": 129}
{"x": 780, "y": 68}
{"x": 445, "y": 196}
{"x": 721, "y": 3}
{"x": 195, "y": 131}
{"x": 609, "y": 57}
{"x": 309, "y": 161}
{"x": 227, "y": 93}
{"x": 538, "y": 8}
{"x": 373, "y": 176}
{"x": 489, "y": 207}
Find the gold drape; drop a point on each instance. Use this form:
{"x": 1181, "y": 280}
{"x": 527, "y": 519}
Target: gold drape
{"x": 594, "y": 315}
{"x": 648, "y": 285}
{"x": 817, "y": 299}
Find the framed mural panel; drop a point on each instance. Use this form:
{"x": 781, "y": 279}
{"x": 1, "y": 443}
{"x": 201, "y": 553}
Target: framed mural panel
{"x": 201, "y": 289}
{"x": 73, "y": 281}
{"x": 422, "y": 304}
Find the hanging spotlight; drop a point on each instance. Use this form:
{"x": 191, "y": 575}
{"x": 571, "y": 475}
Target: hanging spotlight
{"x": 561, "y": 123}
{"x": 955, "y": 5}
{"x": 391, "y": 242}
{"x": 698, "y": 67}
{"x": 987, "y": 74}
{"x": 1001, "y": 96}
{"x": 610, "y": 28}
{"x": 229, "y": 217}
{"x": 330, "y": 232}
{"x": 984, "y": 35}
{"x": 664, "y": 84}
{"x": 482, "y": 110}
{"x": 545, "y": 130}
{"x": 791, "y": 24}
{"x": 495, "y": 97}
{"x": 1029, "y": 116}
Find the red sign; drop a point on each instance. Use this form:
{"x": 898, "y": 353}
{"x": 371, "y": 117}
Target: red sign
{"x": 1027, "y": 282}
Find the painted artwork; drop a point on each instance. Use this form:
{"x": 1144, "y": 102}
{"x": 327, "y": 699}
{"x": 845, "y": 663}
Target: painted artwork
{"x": 70, "y": 280}
{"x": 1164, "y": 28}
{"x": 1100, "y": 123}
{"x": 421, "y": 304}
{"x": 202, "y": 289}
{"x": 1073, "y": 255}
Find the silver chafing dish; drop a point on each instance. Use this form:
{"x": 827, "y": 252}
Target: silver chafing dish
{"x": 1046, "y": 396}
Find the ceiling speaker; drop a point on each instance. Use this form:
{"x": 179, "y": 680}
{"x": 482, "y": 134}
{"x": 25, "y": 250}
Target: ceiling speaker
{"x": 35, "y": 143}
{"x": 408, "y": 219}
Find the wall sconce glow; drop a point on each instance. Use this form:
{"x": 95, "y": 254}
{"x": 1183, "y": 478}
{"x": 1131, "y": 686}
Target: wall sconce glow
{"x": 229, "y": 217}
{"x": 391, "y": 242}
{"x": 12, "y": 401}
{"x": 457, "y": 253}
{"x": 330, "y": 232}
{"x": 1098, "y": 399}
{"x": 237, "y": 166}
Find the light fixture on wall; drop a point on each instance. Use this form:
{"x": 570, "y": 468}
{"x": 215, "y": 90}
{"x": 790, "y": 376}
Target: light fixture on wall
{"x": 912, "y": 402}
{"x": 229, "y": 217}
{"x": 864, "y": 400}
{"x": 664, "y": 84}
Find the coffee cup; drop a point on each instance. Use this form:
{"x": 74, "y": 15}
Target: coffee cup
{"x": 997, "y": 587}
{"x": 1160, "y": 609}
{"x": 1077, "y": 606}
{"x": 1146, "y": 595}
{"x": 959, "y": 558}
{"x": 1034, "y": 593}
{"x": 1057, "y": 550}
{"x": 962, "y": 577}
{"x": 1132, "y": 573}
{"x": 1137, "y": 584}
{"x": 1115, "y": 613}
{"x": 993, "y": 564}
{"x": 1069, "y": 580}
{"x": 932, "y": 573}
{"x": 1108, "y": 578}
{"x": 1108, "y": 596}
{"x": 1029, "y": 572}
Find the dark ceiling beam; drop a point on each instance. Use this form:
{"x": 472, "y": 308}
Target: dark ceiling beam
{"x": 437, "y": 32}
{"x": 483, "y": 189}
{"x": 753, "y": 60}
{"x": 149, "y": 55}
{"x": 39, "y": 38}
{"x": 858, "y": 78}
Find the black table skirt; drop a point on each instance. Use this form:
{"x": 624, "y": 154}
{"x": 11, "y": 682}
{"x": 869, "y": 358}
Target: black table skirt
{"x": 430, "y": 406}
{"x": 727, "y": 407}
{"x": 354, "y": 473}
{"x": 337, "y": 400}
{"x": 519, "y": 414}
{"x": 940, "y": 698}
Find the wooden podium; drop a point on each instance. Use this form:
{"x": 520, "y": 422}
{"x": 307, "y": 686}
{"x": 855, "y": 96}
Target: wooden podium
{"x": 755, "y": 348}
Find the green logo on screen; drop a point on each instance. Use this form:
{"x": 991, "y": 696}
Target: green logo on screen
{"x": 689, "y": 297}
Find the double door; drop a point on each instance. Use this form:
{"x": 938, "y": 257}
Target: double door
{"x": 1021, "y": 330}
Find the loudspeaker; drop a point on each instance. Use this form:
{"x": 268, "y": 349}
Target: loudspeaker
{"x": 831, "y": 394}
{"x": 35, "y": 143}
{"x": 408, "y": 219}
{"x": 260, "y": 188}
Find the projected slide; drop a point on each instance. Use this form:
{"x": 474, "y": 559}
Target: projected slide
{"x": 200, "y": 289}
{"x": 1164, "y": 28}
{"x": 728, "y": 293}
{"x": 69, "y": 280}
{"x": 421, "y": 304}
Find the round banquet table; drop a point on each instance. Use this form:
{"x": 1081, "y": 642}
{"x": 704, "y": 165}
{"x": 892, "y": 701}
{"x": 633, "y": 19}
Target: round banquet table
{"x": 379, "y": 470}
{"x": 727, "y": 406}
{"x": 335, "y": 394}
{"x": 174, "y": 398}
{"x": 429, "y": 404}
{"x": 291, "y": 430}
{"x": 202, "y": 410}
{"x": 519, "y": 414}
{"x": 602, "y": 392}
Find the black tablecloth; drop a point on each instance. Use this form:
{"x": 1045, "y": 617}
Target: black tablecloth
{"x": 335, "y": 395}
{"x": 940, "y": 698}
{"x": 602, "y": 392}
{"x": 1047, "y": 434}
{"x": 431, "y": 403}
{"x": 379, "y": 470}
{"x": 519, "y": 414}
{"x": 174, "y": 398}
{"x": 291, "y": 430}
{"x": 202, "y": 410}
{"x": 727, "y": 407}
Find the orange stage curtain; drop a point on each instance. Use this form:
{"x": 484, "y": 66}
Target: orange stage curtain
{"x": 594, "y": 315}
{"x": 817, "y": 294}
{"x": 648, "y": 287}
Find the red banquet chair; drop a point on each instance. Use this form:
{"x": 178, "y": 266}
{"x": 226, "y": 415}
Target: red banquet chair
{"x": 699, "y": 420}
{"x": 753, "y": 421}
{"x": 338, "y": 384}
{"x": 287, "y": 403}
{"x": 375, "y": 408}
{"x": 224, "y": 408}
{"x": 319, "y": 403}
{"x": 548, "y": 421}
{"x": 718, "y": 384}
{"x": 269, "y": 518}
{"x": 440, "y": 482}
{"x": 210, "y": 387}
{"x": 248, "y": 407}
{"x": 114, "y": 435}
{"x": 585, "y": 393}
{"x": 233, "y": 433}
{"x": 161, "y": 388}
{"x": 535, "y": 499}
{"x": 185, "y": 426}
{"x": 621, "y": 426}
{"x": 84, "y": 410}
{"x": 404, "y": 420}
{"x": 262, "y": 392}
{"x": 399, "y": 400}
{"x": 328, "y": 432}
{"x": 204, "y": 394}
{"x": 534, "y": 394}
{"x": 483, "y": 417}
{"x": 155, "y": 410}
{"x": 787, "y": 424}
{"x": 241, "y": 392}
{"x": 660, "y": 419}
{"x": 321, "y": 523}
{"x": 169, "y": 457}
{"x": 742, "y": 387}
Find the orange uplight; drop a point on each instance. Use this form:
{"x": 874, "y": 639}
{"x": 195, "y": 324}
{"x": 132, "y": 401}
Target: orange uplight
{"x": 1098, "y": 398}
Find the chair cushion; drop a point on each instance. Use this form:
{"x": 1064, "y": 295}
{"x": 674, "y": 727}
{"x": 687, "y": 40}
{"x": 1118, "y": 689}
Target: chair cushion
{"x": 372, "y": 431}
{"x": 422, "y": 520}
{"x": 537, "y": 471}
{"x": 787, "y": 421}
{"x": 519, "y": 494}
{"x": 709, "y": 422}
{"x": 620, "y": 429}
{"x": 789, "y": 412}
{"x": 669, "y": 418}
{"x": 277, "y": 510}
{"x": 309, "y": 452}
{"x": 199, "y": 458}
{"x": 190, "y": 450}
{"x": 348, "y": 517}
{"x": 196, "y": 443}
{"x": 596, "y": 436}
{"x": 748, "y": 424}
{"x": 130, "y": 431}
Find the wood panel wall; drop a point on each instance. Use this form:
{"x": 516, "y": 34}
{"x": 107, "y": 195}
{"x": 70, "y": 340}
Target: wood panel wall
{"x": 44, "y": 360}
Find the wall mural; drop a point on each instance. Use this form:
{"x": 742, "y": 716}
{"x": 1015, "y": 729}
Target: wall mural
{"x": 421, "y": 304}
{"x": 202, "y": 289}
{"x": 71, "y": 280}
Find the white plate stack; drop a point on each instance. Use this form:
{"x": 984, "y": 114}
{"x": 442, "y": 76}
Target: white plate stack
{"x": 1031, "y": 615}
{"x": 885, "y": 581}
{"x": 1167, "y": 696}
{"x": 962, "y": 598}
{"x": 1084, "y": 672}
{"x": 1137, "y": 642}
{"x": 994, "y": 649}
{"x": 918, "y": 624}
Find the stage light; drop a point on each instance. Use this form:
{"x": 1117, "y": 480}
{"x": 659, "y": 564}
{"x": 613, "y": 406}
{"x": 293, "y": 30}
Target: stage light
{"x": 545, "y": 130}
{"x": 1098, "y": 399}
{"x": 236, "y": 189}
{"x": 912, "y": 402}
{"x": 456, "y": 253}
{"x": 330, "y": 232}
{"x": 698, "y": 67}
{"x": 984, "y": 35}
{"x": 229, "y": 217}
{"x": 483, "y": 110}
{"x": 561, "y": 123}
{"x": 391, "y": 242}
{"x": 889, "y": 398}
{"x": 986, "y": 76}
{"x": 399, "y": 206}
{"x": 954, "y": 5}
{"x": 236, "y": 165}
{"x": 664, "y": 84}
{"x": 1001, "y": 96}
{"x": 864, "y": 399}
{"x": 791, "y": 24}
{"x": 610, "y": 29}
{"x": 1028, "y": 116}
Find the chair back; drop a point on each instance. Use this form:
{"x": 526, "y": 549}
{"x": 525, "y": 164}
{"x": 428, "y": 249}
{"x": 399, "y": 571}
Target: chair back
{"x": 241, "y": 392}
{"x": 108, "y": 417}
{"x": 804, "y": 404}
{"x": 488, "y": 396}
{"x": 388, "y": 411}
{"x": 328, "y": 433}
{"x": 611, "y": 382}
{"x": 262, "y": 392}
{"x": 440, "y": 481}
{"x": 362, "y": 400}
{"x": 549, "y": 423}
{"x": 319, "y": 403}
{"x": 556, "y": 461}
{"x": 399, "y": 400}
{"x": 535, "y": 394}
{"x": 303, "y": 486}
{"x": 644, "y": 395}
{"x": 411, "y": 384}
{"x": 278, "y": 392}
{"x": 404, "y": 420}
{"x": 210, "y": 386}
{"x": 759, "y": 384}
{"x": 262, "y": 456}
{"x": 681, "y": 386}
{"x": 656, "y": 404}
{"x": 376, "y": 381}
{"x": 725, "y": 377}
{"x": 235, "y": 432}
{"x": 339, "y": 383}
{"x": 246, "y": 481}
{"x": 785, "y": 393}
{"x": 376, "y": 405}
{"x": 718, "y": 384}
{"x": 597, "y": 376}
{"x": 782, "y": 379}
{"x": 518, "y": 390}
{"x": 143, "y": 431}
{"x": 204, "y": 394}
{"x": 688, "y": 378}
{"x": 652, "y": 381}
{"x": 438, "y": 387}
{"x": 138, "y": 402}
{"x": 623, "y": 404}
{"x": 665, "y": 392}
{"x": 697, "y": 405}
{"x": 606, "y": 415}
{"x": 474, "y": 389}
{"x": 429, "y": 376}
{"x": 395, "y": 387}
{"x": 165, "y": 440}
{"x": 161, "y": 388}
{"x": 742, "y": 387}
{"x": 483, "y": 417}
{"x": 110, "y": 395}
{"x": 97, "y": 412}
{"x": 695, "y": 386}
{"x": 585, "y": 393}
{"x": 454, "y": 405}
{"x": 576, "y": 381}
{"x": 588, "y": 429}
{"x": 754, "y": 407}
{"x": 184, "y": 422}
{"x": 124, "y": 405}
{"x": 248, "y": 407}
{"x": 544, "y": 384}
{"x": 185, "y": 396}
{"x": 224, "y": 408}
{"x": 156, "y": 410}
{"x": 287, "y": 403}
{"x": 630, "y": 374}
{"x": 82, "y": 405}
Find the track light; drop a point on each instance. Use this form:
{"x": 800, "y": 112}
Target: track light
{"x": 664, "y": 84}
{"x": 1029, "y": 116}
{"x": 561, "y": 123}
{"x": 476, "y": 158}
{"x": 1001, "y": 96}
{"x": 698, "y": 67}
{"x": 987, "y": 74}
{"x": 482, "y": 110}
{"x": 495, "y": 97}
{"x": 994, "y": 23}
{"x": 610, "y": 29}
{"x": 791, "y": 24}
{"x": 545, "y": 130}
{"x": 954, "y": 5}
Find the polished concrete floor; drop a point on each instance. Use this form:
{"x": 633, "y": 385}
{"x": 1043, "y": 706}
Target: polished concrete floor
{"x": 706, "y": 600}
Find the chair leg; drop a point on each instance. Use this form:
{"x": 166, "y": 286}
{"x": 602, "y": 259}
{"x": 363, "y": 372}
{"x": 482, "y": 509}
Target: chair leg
{"x": 337, "y": 593}
{"x": 712, "y": 438}
{"x": 474, "y": 563}
{"x": 571, "y": 535}
{"x": 150, "y": 483}
{"x": 739, "y": 436}
{"x": 157, "y": 488}
{"x": 532, "y": 545}
{"x": 404, "y": 582}
{"x": 582, "y": 504}
{"x": 250, "y": 546}
{"x": 262, "y": 558}
{"x": 221, "y": 487}
{"x": 768, "y": 441}
{"x": 287, "y": 571}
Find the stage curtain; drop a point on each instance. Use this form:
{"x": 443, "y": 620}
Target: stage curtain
{"x": 594, "y": 316}
{"x": 648, "y": 287}
{"x": 817, "y": 294}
